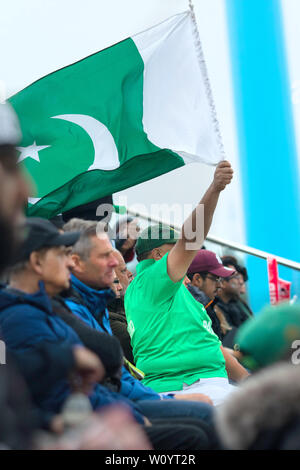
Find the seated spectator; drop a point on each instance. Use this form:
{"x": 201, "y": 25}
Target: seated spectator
{"x": 116, "y": 308}
{"x": 231, "y": 263}
{"x": 235, "y": 310}
{"x": 171, "y": 334}
{"x": 116, "y": 287}
{"x": 264, "y": 413}
{"x": 205, "y": 275}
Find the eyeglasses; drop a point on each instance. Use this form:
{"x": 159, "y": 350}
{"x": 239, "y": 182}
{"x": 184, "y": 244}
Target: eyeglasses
{"x": 214, "y": 278}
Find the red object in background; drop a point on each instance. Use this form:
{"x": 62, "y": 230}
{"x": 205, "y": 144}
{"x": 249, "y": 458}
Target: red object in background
{"x": 284, "y": 290}
{"x": 273, "y": 280}
{"x": 279, "y": 289}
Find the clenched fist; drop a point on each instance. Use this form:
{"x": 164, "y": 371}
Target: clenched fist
{"x": 223, "y": 176}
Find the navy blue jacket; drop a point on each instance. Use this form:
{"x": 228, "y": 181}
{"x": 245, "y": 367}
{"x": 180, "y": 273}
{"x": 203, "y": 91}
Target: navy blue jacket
{"x": 93, "y": 310}
{"x": 27, "y": 320}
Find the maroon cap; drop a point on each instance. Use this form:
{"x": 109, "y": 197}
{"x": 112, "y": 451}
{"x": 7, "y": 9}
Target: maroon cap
{"x": 207, "y": 261}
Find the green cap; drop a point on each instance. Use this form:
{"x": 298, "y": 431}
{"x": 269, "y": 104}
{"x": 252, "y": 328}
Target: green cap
{"x": 155, "y": 236}
{"x": 266, "y": 338}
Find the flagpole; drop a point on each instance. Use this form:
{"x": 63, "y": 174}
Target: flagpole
{"x": 204, "y": 71}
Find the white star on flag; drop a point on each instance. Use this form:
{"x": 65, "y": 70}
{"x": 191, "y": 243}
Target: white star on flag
{"x": 32, "y": 151}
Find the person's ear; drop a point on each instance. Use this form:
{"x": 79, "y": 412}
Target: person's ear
{"x": 197, "y": 280}
{"x": 78, "y": 264}
{"x": 156, "y": 254}
{"x": 36, "y": 262}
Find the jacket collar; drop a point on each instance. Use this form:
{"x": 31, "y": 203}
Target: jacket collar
{"x": 198, "y": 294}
{"x": 96, "y": 299}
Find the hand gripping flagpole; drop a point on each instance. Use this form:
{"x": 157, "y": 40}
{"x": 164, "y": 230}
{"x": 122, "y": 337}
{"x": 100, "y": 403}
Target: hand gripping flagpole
{"x": 204, "y": 72}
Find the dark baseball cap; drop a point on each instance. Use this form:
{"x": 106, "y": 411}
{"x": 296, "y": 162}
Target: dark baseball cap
{"x": 41, "y": 233}
{"x": 207, "y": 261}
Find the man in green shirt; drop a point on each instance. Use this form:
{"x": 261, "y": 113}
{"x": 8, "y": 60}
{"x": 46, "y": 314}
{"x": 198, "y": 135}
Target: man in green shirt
{"x": 171, "y": 335}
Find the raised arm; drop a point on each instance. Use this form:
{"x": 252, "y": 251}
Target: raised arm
{"x": 193, "y": 232}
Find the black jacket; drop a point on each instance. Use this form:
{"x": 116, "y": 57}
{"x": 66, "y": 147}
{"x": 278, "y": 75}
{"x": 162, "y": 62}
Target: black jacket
{"x": 236, "y": 311}
{"x": 118, "y": 325}
{"x": 107, "y": 348}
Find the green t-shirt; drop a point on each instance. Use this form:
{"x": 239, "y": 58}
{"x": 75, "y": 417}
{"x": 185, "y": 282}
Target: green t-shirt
{"x": 171, "y": 334}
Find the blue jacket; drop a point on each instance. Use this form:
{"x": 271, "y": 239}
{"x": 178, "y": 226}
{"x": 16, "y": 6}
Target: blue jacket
{"x": 93, "y": 310}
{"x": 27, "y": 320}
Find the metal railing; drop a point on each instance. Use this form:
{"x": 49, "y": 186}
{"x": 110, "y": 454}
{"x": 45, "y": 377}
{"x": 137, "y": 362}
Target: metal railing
{"x": 235, "y": 246}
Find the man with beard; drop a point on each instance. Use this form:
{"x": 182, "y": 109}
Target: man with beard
{"x": 14, "y": 189}
{"x": 205, "y": 274}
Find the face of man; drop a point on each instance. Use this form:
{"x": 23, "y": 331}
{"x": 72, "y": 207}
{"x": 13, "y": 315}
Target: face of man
{"x": 241, "y": 281}
{"x": 98, "y": 270}
{"x": 14, "y": 192}
{"x": 209, "y": 285}
{"x": 117, "y": 287}
{"x": 231, "y": 286}
{"x": 242, "y": 284}
{"x": 53, "y": 267}
{"x": 123, "y": 274}
{"x": 129, "y": 231}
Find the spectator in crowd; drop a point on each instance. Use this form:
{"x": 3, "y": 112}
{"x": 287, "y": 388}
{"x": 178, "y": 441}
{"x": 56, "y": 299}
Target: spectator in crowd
{"x": 234, "y": 308}
{"x": 205, "y": 275}
{"x": 240, "y": 298}
{"x": 116, "y": 287}
{"x": 94, "y": 262}
{"x": 264, "y": 413}
{"x": 126, "y": 230}
{"x": 232, "y": 263}
{"x": 116, "y": 308}
{"x": 169, "y": 330}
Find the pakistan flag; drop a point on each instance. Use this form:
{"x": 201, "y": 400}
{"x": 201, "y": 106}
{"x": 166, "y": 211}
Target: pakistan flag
{"x": 119, "y": 117}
